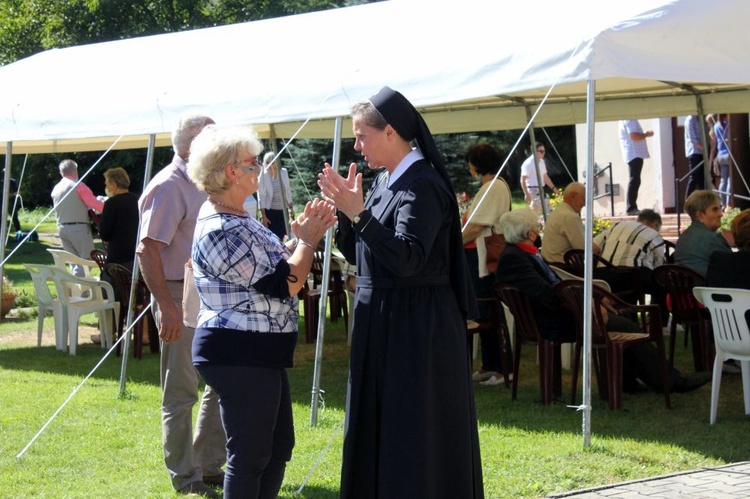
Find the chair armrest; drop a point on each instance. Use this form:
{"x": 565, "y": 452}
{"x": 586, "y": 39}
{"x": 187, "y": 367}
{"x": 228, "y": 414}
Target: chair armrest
{"x": 95, "y": 285}
{"x": 648, "y": 316}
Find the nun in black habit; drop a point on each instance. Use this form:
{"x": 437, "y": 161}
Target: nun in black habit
{"x": 411, "y": 427}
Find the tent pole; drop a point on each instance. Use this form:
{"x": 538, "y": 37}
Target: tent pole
{"x": 316, "y": 391}
{"x": 6, "y": 189}
{"x": 589, "y": 269}
{"x": 135, "y": 275}
{"x": 539, "y": 180}
{"x": 284, "y": 205}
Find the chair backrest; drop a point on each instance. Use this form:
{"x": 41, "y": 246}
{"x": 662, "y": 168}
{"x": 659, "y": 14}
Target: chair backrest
{"x": 520, "y": 308}
{"x": 63, "y": 258}
{"x": 576, "y": 260}
{"x": 122, "y": 278}
{"x": 570, "y": 293}
{"x": 565, "y": 275}
{"x": 40, "y": 274}
{"x": 100, "y": 257}
{"x": 730, "y": 312}
{"x": 679, "y": 282}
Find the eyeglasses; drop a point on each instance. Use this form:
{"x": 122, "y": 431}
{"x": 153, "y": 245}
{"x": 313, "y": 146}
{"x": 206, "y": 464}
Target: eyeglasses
{"x": 542, "y": 151}
{"x": 252, "y": 167}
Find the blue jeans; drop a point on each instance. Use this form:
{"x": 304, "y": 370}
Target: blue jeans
{"x": 256, "y": 411}
{"x": 725, "y": 185}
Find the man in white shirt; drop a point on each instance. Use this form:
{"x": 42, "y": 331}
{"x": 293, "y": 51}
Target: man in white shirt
{"x": 634, "y": 151}
{"x": 529, "y": 183}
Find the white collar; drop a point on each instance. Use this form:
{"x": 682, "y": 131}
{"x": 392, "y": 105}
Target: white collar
{"x": 408, "y": 160}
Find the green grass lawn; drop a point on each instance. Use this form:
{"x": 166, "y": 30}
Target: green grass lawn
{"x": 101, "y": 445}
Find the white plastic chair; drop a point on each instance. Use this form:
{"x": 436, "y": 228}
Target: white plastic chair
{"x": 40, "y": 274}
{"x": 77, "y": 306}
{"x": 63, "y": 259}
{"x": 728, "y": 307}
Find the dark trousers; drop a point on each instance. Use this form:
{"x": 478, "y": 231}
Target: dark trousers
{"x": 16, "y": 222}
{"x": 697, "y": 179}
{"x": 634, "y": 183}
{"x": 640, "y": 361}
{"x": 277, "y": 225}
{"x": 256, "y": 411}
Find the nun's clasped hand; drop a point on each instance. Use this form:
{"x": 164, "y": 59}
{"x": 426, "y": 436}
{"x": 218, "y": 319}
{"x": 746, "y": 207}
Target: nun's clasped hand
{"x": 344, "y": 193}
{"x": 312, "y": 224}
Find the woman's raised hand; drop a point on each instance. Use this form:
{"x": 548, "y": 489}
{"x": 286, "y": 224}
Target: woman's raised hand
{"x": 344, "y": 193}
{"x": 312, "y": 224}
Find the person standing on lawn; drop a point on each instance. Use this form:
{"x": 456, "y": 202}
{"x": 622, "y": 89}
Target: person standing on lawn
{"x": 168, "y": 210}
{"x": 411, "y": 428}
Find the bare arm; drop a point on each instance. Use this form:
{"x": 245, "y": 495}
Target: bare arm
{"x": 152, "y": 268}
{"x": 471, "y": 232}
{"x": 310, "y": 228}
{"x": 548, "y": 182}
{"x": 641, "y": 136}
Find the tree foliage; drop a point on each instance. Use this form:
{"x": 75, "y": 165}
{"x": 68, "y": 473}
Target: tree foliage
{"x": 31, "y": 26}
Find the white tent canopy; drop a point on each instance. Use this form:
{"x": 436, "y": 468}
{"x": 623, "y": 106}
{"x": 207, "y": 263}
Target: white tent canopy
{"x": 473, "y": 65}
{"x": 467, "y": 68}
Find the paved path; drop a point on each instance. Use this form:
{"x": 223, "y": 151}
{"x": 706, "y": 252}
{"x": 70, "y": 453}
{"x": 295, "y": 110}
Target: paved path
{"x": 730, "y": 481}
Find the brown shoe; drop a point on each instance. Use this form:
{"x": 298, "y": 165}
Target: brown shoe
{"x": 214, "y": 480}
{"x": 199, "y": 489}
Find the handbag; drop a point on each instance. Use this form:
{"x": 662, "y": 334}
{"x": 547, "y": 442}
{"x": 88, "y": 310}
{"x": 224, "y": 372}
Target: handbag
{"x": 191, "y": 301}
{"x": 494, "y": 244}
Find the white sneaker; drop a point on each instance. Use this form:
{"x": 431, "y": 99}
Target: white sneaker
{"x": 496, "y": 379}
{"x": 482, "y": 375}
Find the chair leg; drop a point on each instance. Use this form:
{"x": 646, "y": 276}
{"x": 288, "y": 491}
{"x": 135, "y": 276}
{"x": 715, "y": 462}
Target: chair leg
{"x": 574, "y": 374}
{"x": 557, "y": 369}
{"x": 516, "y": 364}
{"x": 546, "y": 371}
{"x": 138, "y": 339}
{"x": 672, "y": 340}
{"x": 614, "y": 368}
{"x": 40, "y": 327}
{"x": 153, "y": 333}
{"x": 745, "y": 366}
{"x": 716, "y": 385}
{"x": 705, "y": 330}
{"x": 664, "y": 372}
{"x": 72, "y": 332}
{"x": 602, "y": 377}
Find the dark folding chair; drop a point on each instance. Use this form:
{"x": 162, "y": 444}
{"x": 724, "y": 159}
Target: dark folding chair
{"x": 121, "y": 279}
{"x": 679, "y": 281}
{"x": 527, "y": 332}
{"x": 100, "y": 257}
{"x": 609, "y": 345}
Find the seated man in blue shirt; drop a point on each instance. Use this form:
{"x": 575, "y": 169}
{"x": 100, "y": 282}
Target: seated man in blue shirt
{"x": 695, "y": 245}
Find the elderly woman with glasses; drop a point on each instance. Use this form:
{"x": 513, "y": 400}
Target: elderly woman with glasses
{"x": 247, "y": 326}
